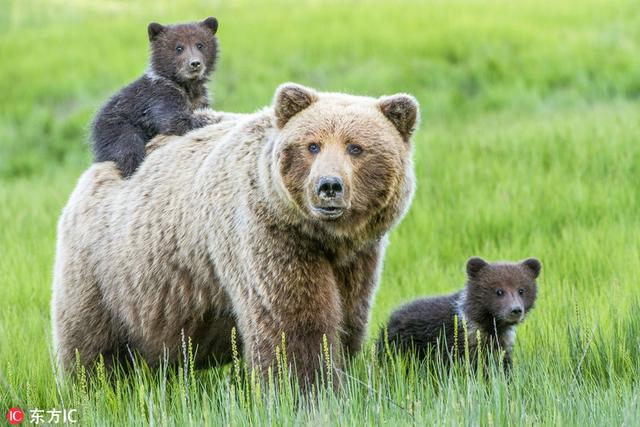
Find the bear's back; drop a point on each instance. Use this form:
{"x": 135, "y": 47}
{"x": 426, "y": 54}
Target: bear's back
{"x": 422, "y": 322}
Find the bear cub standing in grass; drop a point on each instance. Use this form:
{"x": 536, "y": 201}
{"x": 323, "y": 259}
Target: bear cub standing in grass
{"x": 164, "y": 100}
{"x": 496, "y": 298}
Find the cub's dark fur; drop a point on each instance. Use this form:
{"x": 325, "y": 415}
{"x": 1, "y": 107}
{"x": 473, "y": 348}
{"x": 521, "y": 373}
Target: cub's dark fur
{"x": 164, "y": 99}
{"x": 495, "y": 299}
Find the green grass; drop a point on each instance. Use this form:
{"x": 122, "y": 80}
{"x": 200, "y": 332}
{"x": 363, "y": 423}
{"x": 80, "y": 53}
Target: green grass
{"x": 529, "y": 146}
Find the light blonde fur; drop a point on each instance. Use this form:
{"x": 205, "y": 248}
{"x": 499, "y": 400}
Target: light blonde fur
{"x": 206, "y": 236}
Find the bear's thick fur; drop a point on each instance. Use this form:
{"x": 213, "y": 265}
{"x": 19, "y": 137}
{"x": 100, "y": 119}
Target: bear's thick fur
{"x": 166, "y": 100}
{"x": 273, "y": 222}
{"x": 496, "y": 298}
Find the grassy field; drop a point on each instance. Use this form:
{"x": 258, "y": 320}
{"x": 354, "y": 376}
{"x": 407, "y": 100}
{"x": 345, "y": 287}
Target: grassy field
{"x": 529, "y": 146}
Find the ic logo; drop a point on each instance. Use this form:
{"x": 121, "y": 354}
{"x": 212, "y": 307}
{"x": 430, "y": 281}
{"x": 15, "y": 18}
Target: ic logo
{"x": 15, "y": 416}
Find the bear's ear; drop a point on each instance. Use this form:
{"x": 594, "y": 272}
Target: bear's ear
{"x": 154, "y": 30}
{"x": 211, "y": 23}
{"x": 533, "y": 265}
{"x": 402, "y": 110}
{"x": 475, "y": 265}
{"x": 290, "y": 99}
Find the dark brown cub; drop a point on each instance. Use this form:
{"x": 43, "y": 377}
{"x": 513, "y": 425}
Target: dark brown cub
{"x": 163, "y": 100}
{"x": 496, "y": 298}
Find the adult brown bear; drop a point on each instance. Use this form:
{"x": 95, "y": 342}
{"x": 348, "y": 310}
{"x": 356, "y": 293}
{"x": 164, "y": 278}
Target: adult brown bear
{"x": 274, "y": 222}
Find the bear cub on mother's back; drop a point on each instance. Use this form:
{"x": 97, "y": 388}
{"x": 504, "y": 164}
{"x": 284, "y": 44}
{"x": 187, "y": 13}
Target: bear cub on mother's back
{"x": 496, "y": 298}
{"x": 164, "y": 100}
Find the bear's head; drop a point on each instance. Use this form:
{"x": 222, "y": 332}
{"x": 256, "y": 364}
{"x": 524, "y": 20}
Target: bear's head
{"x": 344, "y": 161}
{"x": 501, "y": 292}
{"x": 184, "y": 52}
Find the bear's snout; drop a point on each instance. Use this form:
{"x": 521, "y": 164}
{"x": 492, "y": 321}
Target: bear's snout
{"x": 514, "y": 312}
{"x": 329, "y": 188}
{"x": 328, "y": 197}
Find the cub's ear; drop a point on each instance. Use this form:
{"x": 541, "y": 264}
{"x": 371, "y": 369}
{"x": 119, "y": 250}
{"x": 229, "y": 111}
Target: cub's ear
{"x": 402, "y": 110}
{"x": 290, "y": 99}
{"x": 211, "y": 23}
{"x": 533, "y": 265}
{"x": 154, "y": 30}
{"x": 475, "y": 265}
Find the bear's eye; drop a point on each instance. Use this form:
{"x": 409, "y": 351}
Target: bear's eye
{"x": 499, "y": 292}
{"x": 521, "y": 291}
{"x": 354, "y": 149}
{"x": 314, "y": 148}
{"x": 199, "y": 46}
{"x": 179, "y": 49}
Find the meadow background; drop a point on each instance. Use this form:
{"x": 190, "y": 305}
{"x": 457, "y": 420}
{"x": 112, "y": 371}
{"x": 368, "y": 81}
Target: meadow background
{"x": 529, "y": 146}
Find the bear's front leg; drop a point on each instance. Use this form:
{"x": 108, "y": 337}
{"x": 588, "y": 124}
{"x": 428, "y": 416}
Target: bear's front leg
{"x": 294, "y": 294}
{"x": 358, "y": 282}
{"x": 507, "y": 364}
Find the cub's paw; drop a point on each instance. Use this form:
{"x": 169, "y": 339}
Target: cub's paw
{"x": 207, "y": 116}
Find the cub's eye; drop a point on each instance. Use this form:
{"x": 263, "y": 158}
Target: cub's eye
{"x": 314, "y": 148}
{"x": 199, "y": 46}
{"x": 179, "y": 49}
{"x": 521, "y": 291}
{"x": 499, "y": 292}
{"x": 354, "y": 149}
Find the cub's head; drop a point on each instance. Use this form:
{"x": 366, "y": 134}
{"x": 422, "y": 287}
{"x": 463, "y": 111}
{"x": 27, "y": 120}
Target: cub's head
{"x": 502, "y": 291}
{"x": 184, "y": 52}
{"x": 342, "y": 160}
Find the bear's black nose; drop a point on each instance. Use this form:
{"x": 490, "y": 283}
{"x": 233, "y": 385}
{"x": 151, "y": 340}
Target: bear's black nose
{"x": 329, "y": 187}
{"x": 195, "y": 63}
{"x": 516, "y": 311}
